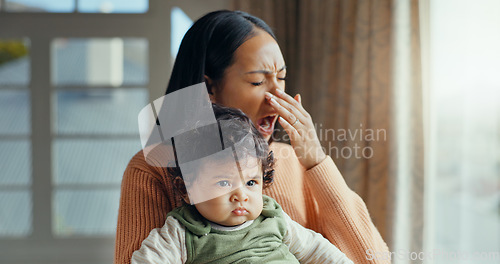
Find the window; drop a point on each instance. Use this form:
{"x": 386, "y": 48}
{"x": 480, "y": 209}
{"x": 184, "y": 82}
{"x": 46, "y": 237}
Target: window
{"x": 179, "y": 26}
{"x": 60, "y": 6}
{"x": 71, "y": 88}
{"x": 82, "y": 6}
{"x": 112, "y": 6}
{"x": 465, "y": 136}
{"x": 99, "y": 91}
{"x": 15, "y": 147}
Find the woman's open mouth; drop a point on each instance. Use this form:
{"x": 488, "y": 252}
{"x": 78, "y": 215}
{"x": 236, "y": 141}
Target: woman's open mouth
{"x": 265, "y": 125}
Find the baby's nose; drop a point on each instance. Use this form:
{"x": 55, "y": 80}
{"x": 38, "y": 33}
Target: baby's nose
{"x": 239, "y": 195}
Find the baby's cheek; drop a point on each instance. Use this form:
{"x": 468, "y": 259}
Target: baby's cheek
{"x": 260, "y": 205}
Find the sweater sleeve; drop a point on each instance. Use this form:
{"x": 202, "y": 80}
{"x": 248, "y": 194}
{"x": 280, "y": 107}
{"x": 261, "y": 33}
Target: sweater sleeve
{"x": 144, "y": 205}
{"x": 165, "y": 245}
{"x": 342, "y": 214}
{"x": 310, "y": 247}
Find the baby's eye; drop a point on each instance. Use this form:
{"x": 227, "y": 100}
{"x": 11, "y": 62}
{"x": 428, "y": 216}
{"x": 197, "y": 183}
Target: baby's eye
{"x": 223, "y": 183}
{"x": 251, "y": 183}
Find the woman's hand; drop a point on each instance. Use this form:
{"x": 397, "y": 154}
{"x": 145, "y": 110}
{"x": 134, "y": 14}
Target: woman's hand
{"x": 299, "y": 126}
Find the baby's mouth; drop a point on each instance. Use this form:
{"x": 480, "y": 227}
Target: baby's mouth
{"x": 240, "y": 211}
{"x": 265, "y": 125}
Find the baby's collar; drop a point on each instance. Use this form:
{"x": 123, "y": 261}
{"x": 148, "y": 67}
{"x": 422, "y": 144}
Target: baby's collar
{"x": 230, "y": 228}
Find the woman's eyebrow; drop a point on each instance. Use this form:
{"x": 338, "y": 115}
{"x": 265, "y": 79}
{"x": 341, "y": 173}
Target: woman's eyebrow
{"x": 265, "y": 71}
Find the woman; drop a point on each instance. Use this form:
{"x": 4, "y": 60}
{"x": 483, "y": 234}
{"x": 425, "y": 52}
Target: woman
{"x": 239, "y": 59}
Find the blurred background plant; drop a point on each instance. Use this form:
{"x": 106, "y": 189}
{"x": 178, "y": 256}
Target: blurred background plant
{"x": 11, "y": 50}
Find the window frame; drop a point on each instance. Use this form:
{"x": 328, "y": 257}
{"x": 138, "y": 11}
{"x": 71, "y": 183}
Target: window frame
{"x": 42, "y": 245}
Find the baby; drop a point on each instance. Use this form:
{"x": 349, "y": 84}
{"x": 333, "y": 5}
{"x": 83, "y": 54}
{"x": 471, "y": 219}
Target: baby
{"x": 226, "y": 218}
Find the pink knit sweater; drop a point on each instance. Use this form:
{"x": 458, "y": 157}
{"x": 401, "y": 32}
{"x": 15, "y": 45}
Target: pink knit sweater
{"x": 318, "y": 199}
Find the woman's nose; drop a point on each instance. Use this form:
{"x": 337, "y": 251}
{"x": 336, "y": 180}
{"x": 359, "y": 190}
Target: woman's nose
{"x": 239, "y": 195}
{"x": 276, "y": 84}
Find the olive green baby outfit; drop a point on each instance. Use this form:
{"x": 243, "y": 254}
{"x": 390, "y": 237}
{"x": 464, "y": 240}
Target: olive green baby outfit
{"x": 260, "y": 242}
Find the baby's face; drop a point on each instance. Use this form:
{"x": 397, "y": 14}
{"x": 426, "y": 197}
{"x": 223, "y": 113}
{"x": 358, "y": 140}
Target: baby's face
{"x": 238, "y": 195}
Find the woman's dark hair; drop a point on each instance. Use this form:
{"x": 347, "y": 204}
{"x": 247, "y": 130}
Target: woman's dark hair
{"x": 233, "y": 128}
{"x": 209, "y": 45}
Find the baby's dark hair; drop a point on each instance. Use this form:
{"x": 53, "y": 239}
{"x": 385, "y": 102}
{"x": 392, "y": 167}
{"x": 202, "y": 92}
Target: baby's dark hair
{"x": 232, "y": 127}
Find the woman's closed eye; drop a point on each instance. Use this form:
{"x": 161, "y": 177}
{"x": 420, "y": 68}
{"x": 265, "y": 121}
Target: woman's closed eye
{"x": 261, "y": 82}
{"x": 257, "y": 83}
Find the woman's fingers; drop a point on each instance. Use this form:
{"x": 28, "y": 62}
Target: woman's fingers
{"x": 289, "y": 129}
{"x": 290, "y": 100}
{"x": 293, "y": 108}
{"x": 289, "y": 113}
{"x": 298, "y": 98}
{"x": 299, "y": 127}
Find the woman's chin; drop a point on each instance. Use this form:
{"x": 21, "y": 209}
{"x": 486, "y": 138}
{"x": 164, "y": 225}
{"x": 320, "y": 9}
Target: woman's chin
{"x": 266, "y": 133}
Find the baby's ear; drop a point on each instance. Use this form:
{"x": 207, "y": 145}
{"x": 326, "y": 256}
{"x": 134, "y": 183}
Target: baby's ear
{"x": 180, "y": 187}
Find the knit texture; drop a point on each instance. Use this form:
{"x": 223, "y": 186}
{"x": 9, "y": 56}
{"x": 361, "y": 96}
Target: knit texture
{"x": 318, "y": 199}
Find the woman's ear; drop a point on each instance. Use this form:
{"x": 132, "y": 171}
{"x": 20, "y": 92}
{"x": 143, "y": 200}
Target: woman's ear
{"x": 211, "y": 88}
{"x": 180, "y": 187}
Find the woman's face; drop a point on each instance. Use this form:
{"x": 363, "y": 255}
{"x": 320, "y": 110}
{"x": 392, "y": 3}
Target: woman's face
{"x": 258, "y": 67}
